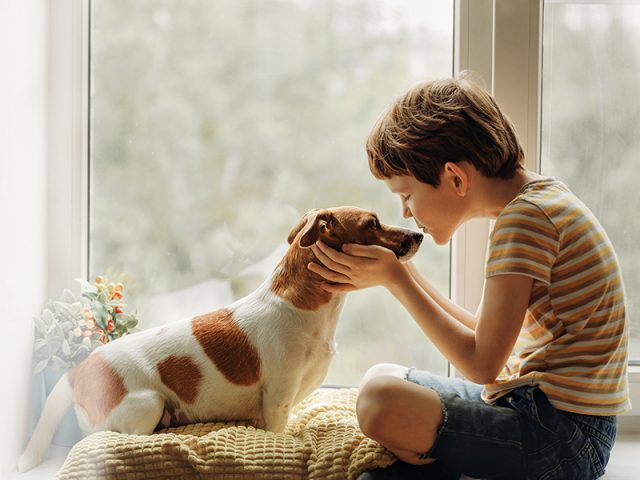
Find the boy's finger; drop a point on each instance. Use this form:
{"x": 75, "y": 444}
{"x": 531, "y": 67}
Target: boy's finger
{"x": 327, "y": 274}
{"x": 334, "y": 254}
{"x": 337, "y": 287}
{"x": 367, "y": 251}
{"x": 328, "y": 262}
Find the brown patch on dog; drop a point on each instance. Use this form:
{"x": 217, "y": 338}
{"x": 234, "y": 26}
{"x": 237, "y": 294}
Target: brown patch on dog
{"x": 182, "y": 375}
{"x": 227, "y": 346}
{"x": 97, "y": 388}
{"x": 296, "y": 284}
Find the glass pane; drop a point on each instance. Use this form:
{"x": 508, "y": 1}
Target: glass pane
{"x": 591, "y": 119}
{"x": 216, "y": 124}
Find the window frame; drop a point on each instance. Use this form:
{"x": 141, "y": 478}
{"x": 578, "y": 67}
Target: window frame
{"x": 68, "y": 149}
{"x": 501, "y": 40}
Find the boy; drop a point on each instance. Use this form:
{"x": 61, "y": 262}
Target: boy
{"x": 545, "y": 355}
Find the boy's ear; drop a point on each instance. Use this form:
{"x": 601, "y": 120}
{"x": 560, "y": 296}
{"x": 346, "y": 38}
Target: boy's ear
{"x": 456, "y": 174}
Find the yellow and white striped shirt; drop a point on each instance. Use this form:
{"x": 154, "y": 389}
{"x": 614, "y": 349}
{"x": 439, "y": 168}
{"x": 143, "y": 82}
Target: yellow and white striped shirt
{"x": 573, "y": 342}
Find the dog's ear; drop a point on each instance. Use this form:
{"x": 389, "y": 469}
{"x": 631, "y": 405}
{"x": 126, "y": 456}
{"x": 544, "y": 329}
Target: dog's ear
{"x": 316, "y": 224}
{"x": 311, "y": 225}
{"x": 301, "y": 223}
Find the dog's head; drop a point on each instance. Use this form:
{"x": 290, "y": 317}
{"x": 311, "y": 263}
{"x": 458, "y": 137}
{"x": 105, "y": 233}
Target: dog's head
{"x": 336, "y": 226}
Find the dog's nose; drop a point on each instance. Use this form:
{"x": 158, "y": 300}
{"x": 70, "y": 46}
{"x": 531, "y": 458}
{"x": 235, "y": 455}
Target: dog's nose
{"x": 417, "y": 237}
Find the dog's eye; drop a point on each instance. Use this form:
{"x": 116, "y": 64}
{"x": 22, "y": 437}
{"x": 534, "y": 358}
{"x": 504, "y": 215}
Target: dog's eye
{"x": 373, "y": 223}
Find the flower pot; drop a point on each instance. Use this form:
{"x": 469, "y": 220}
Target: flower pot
{"x": 68, "y": 432}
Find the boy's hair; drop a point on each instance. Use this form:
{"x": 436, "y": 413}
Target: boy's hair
{"x": 441, "y": 121}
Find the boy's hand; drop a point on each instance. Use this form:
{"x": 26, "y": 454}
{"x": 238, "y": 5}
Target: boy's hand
{"x": 356, "y": 267}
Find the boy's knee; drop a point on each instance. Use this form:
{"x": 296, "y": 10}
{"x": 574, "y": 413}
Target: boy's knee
{"x": 383, "y": 369}
{"x": 398, "y": 413}
{"x": 375, "y": 399}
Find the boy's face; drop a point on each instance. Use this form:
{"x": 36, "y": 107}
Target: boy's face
{"x": 438, "y": 211}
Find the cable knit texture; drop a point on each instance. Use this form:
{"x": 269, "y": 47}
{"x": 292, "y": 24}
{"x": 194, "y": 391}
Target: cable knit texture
{"x": 321, "y": 441}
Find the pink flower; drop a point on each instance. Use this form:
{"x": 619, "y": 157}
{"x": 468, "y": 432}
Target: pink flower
{"x": 103, "y": 337}
{"x": 88, "y": 314}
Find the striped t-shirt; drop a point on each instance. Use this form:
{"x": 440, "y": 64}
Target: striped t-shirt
{"x": 573, "y": 342}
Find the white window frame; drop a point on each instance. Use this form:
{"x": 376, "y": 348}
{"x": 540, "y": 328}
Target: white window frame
{"x": 68, "y": 189}
{"x": 501, "y": 40}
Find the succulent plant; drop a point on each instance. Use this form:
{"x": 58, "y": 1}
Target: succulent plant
{"x": 69, "y": 329}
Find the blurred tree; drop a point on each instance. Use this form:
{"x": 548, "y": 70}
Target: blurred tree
{"x": 590, "y": 121}
{"x": 216, "y": 124}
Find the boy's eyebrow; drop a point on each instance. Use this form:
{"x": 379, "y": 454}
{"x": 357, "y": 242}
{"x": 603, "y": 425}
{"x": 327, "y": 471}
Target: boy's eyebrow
{"x": 398, "y": 188}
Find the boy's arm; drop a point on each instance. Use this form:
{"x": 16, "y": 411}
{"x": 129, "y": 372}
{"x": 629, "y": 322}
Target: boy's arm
{"x": 456, "y": 311}
{"x": 478, "y": 354}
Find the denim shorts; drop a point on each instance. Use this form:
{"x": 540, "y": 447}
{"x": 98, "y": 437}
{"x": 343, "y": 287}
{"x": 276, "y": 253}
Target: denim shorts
{"x": 521, "y": 436}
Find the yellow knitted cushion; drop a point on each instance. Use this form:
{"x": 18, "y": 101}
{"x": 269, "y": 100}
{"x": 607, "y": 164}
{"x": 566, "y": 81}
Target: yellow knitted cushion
{"x": 322, "y": 441}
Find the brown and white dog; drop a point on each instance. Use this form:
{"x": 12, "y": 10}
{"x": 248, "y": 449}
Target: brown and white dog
{"x": 253, "y": 360}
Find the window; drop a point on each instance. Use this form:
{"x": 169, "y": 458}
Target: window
{"x": 215, "y": 125}
{"x": 590, "y": 119}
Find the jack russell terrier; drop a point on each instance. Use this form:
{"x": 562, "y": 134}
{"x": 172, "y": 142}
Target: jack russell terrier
{"x": 253, "y": 360}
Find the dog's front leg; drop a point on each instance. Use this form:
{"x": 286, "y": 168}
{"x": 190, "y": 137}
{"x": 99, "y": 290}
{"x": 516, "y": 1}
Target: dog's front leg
{"x": 277, "y": 402}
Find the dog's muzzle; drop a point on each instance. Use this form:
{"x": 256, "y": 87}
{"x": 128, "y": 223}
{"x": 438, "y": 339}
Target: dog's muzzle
{"x": 405, "y": 247}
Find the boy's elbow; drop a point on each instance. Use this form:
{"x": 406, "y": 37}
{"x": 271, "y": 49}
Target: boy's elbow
{"x": 484, "y": 376}
{"x": 484, "y": 379}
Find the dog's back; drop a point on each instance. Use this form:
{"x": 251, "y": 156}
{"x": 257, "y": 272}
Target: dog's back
{"x": 213, "y": 366}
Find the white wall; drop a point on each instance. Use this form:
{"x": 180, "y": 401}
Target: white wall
{"x": 23, "y": 150}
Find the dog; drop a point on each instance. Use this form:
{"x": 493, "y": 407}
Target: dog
{"x": 253, "y": 360}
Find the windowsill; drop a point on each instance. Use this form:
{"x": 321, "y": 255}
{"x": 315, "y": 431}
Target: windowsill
{"x": 624, "y": 458}
{"x": 47, "y": 469}
{"x": 629, "y": 423}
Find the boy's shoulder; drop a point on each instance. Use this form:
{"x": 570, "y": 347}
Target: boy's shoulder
{"x": 543, "y": 194}
{"x": 546, "y": 212}
{"x": 552, "y": 202}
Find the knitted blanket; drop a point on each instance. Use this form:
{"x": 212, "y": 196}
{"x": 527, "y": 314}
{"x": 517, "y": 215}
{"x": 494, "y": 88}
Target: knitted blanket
{"x": 321, "y": 441}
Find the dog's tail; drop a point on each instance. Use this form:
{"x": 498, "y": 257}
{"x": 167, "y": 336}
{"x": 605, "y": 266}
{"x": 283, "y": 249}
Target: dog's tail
{"x": 55, "y": 407}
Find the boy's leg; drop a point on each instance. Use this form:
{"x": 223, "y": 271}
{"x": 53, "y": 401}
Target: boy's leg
{"x": 462, "y": 388}
{"x": 427, "y": 399}
{"x": 521, "y": 436}
{"x": 389, "y": 408}
{"x": 446, "y": 421}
